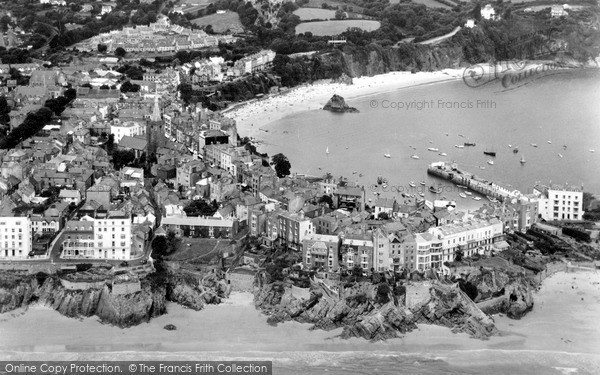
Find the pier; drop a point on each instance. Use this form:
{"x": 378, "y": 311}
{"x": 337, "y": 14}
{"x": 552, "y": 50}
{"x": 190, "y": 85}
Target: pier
{"x": 451, "y": 172}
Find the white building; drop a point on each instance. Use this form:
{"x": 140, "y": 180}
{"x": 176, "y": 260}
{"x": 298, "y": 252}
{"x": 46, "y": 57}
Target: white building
{"x": 559, "y": 203}
{"x": 470, "y": 23}
{"x": 98, "y": 238}
{"x": 440, "y": 244}
{"x": 15, "y": 237}
{"x": 559, "y": 10}
{"x": 127, "y": 128}
{"x": 488, "y": 12}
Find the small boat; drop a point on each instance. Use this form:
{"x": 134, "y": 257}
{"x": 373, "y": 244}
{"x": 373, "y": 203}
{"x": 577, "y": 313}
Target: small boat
{"x": 461, "y": 186}
{"x": 432, "y": 149}
{"x": 459, "y": 146}
{"x": 421, "y": 194}
{"x": 468, "y": 192}
{"x": 387, "y": 155}
{"x": 375, "y": 193}
{"x": 355, "y": 172}
{"x": 443, "y": 154}
{"x": 490, "y": 162}
{"x": 560, "y": 155}
{"x": 384, "y": 186}
{"x": 412, "y": 184}
{"x": 509, "y": 146}
{"x": 430, "y": 141}
{"x": 446, "y": 134}
{"x": 592, "y": 150}
{"x": 462, "y": 195}
{"x": 515, "y": 150}
{"x": 489, "y": 153}
{"x": 534, "y": 144}
{"x": 493, "y": 200}
{"x": 327, "y": 151}
{"x": 370, "y": 199}
{"x": 422, "y": 183}
{"x": 414, "y": 156}
{"x": 481, "y": 167}
{"x": 477, "y": 198}
{"x": 564, "y": 147}
{"x": 469, "y": 144}
{"x": 522, "y": 161}
{"x": 460, "y": 135}
{"x": 346, "y": 147}
{"x": 549, "y": 142}
{"x": 434, "y": 190}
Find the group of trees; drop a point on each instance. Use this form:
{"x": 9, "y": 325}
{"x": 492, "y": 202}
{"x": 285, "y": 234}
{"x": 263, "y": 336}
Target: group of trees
{"x": 58, "y": 104}
{"x": 33, "y": 123}
{"x": 282, "y": 165}
{"x": 201, "y": 208}
{"x": 165, "y": 245}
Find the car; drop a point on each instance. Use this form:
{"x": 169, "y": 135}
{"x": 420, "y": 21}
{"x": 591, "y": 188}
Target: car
{"x": 124, "y": 263}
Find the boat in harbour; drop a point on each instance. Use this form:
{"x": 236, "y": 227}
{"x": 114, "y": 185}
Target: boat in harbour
{"x": 422, "y": 183}
{"x": 468, "y": 192}
{"x": 432, "y": 149}
{"x": 443, "y": 154}
{"x": 592, "y": 150}
{"x": 421, "y": 194}
{"x": 469, "y": 143}
{"x": 434, "y": 190}
{"x": 549, "y": 142}
{"x": 489, "y": 153}
{"x": 534, "y": 144}
{"x": 477, "y": 198}
{"x": 515, "y": 150}
{"x": 459, "y": 146}
{"x": 462, "y": 195}
{"x": 560, "y": 155}
{"x": 387, "y": 155}
{"x": 414, "y": 156}
{"x": 522, "y": 161}
{"x": 491, "y": 199}
{"x": 412, "y": 184}
{"x": 327, "y": 151}
{"x": 490, "y": 162}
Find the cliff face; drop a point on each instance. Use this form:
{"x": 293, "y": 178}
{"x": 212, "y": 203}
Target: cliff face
{"x": 122, "y": 310}
{"x": 513, "y": 290}
{"x": 363, "y": 312}
{"x": 194, "y": 289}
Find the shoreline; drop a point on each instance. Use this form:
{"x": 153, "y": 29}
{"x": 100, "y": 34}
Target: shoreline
{"x": 254, "y": 115}
{"x": 231, "y": 328}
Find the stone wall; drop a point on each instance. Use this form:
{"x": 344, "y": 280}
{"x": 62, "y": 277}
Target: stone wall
{"x": 127, "y": 288}
{"x": 82, "y": 285}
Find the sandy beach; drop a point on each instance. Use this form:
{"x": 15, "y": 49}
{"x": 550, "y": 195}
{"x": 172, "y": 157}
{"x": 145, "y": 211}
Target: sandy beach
{"x": 561, "y": 329}
{"x": 253, "y": 116}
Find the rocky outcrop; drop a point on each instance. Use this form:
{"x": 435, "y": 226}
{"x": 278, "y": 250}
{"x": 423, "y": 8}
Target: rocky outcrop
{"x": 122, "y": 310}
{"x": 338, "y": 104}
{"x": 363, "y": 311}
{"x": 194, "y": 289}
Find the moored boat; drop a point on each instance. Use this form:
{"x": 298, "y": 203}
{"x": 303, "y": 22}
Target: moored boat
{"x": 414, "y": 156}
{"x": 490, "y": 162}
{"x": 432, "y": 149}
{"x": 489, "y": 153}
{"x": 462, "y": 195}
{"x": 412, "y": 184}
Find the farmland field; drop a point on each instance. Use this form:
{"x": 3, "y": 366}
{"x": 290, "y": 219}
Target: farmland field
{"x": 333, "y": 4}
{"x": 314, "y": 14}
{"x": 191, "y": 6}
{"x": 431, "y": 4}
{"x": 322, "y": 28}
{"x": 221, "y": 22}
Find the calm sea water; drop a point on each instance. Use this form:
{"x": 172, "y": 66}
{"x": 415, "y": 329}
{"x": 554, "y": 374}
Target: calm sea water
{"x": 562, "y": 109}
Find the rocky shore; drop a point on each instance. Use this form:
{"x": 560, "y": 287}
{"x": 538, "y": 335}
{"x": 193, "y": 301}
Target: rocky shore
{"x": 117, "y": 304}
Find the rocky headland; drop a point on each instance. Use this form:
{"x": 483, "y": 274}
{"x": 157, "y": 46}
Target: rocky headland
{"x": 338, "y": 104}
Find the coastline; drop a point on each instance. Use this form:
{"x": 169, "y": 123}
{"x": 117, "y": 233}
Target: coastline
{"x": 252, "y": 116}
{"x": 232, "y": 328}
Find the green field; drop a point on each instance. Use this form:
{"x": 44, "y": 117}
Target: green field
{"x": 324, "y": 28}
{"x": 431, "y": 4}
{"x": 306, "y": 14}
{"x": 221, "y": 22}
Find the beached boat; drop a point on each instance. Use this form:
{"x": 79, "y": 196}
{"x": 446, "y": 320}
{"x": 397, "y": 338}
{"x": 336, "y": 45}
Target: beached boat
{"x": 432, "y": 149}
{"x": 384, "y": 186}
{"x": 522, "y": 159}
{"x": 468, "y": 192}
{"x": 414, "y": 156}
{"x": 434, "y": 190}
{"x": 491, "y": 199}
{"x": 422, "y": 183}
{"x": 462, "y": 195}
{"x": 477, "y": 198}
{"x": 412, "y": 184}
{"x": 421, "y": 194}
{"x": 490, "y": 162}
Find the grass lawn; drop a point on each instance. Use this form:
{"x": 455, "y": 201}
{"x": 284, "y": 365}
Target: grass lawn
{"x": 431, "y": 4}
{"x": 323, "y": 28}
{"x": 333, "y": 4}
{"x": 200, "y": 249}
{"x": 221, "y": 22}
{"x": 306, "y": 14}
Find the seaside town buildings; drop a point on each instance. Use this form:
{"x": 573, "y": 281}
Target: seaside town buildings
{"x": 560, "y": 202}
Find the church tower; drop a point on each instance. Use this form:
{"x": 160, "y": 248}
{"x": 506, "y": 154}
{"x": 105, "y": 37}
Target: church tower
{"x": 155, "y": 132}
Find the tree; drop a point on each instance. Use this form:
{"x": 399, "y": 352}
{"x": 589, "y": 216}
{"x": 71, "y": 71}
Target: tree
{"x": 127, "y": 86}
{"x": 458, "y": 255}
{"x": 159, "y": 247}
{"x": 102, "y": 48}
{"x": 383, "y": 216}
{"x": 4, "y": 110}
{"x": 340, "y": 14}
{"x": 282, "y": 165}
{"x": 326, "y": 199}
{"x": 120, "y": 52}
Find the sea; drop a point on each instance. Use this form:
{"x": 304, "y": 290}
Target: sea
{"x": 552, "y": 121}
